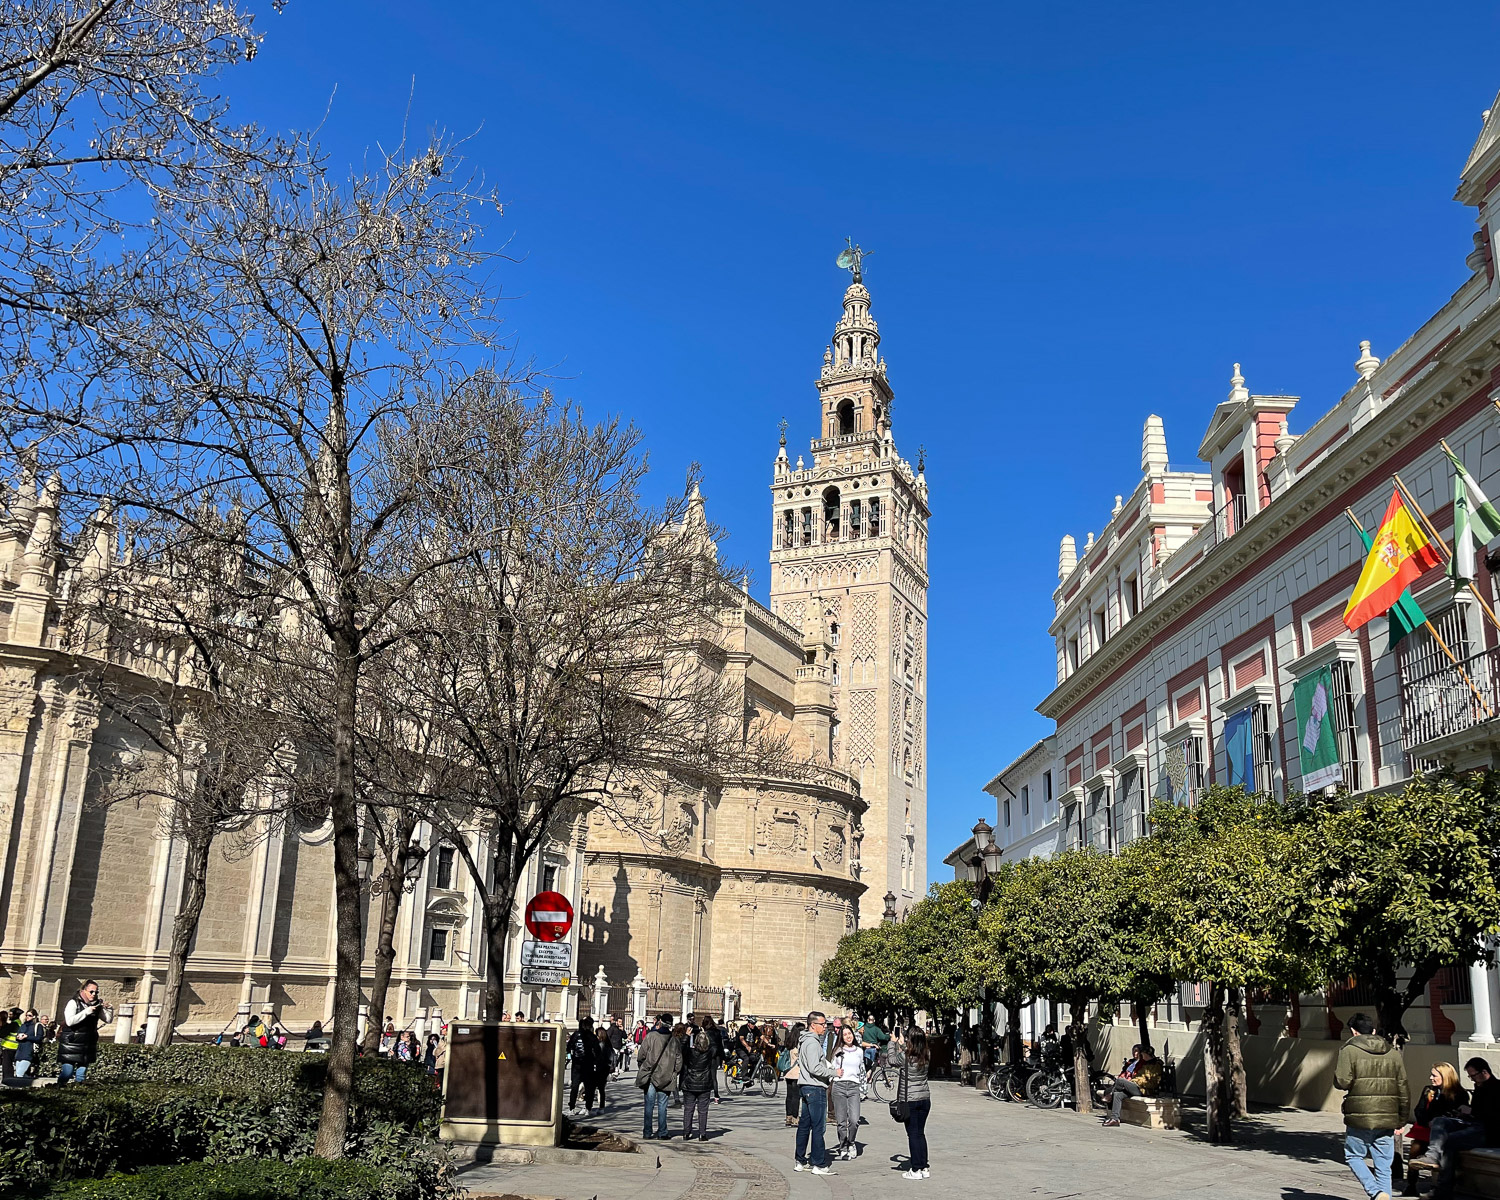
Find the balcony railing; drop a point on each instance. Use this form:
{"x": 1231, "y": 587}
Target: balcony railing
{"x": 1438, "y": 701}
{"x": 1230, "y": 518}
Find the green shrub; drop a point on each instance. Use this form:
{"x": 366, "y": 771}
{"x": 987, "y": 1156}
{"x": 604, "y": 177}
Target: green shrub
{"x": 256, "y": 1179}
{"x": 98, "y": 1127}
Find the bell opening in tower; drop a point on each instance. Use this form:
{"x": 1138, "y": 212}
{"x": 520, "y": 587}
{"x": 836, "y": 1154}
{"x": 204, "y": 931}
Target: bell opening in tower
{"x": 831, "y": 513}
{"x": 846, "y": 417}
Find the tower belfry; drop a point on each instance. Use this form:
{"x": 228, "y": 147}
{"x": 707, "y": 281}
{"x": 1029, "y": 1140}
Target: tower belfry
{"x": 850, "y": 539}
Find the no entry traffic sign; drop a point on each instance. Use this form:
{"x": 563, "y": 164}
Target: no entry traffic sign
{"x": 549, "y": 916}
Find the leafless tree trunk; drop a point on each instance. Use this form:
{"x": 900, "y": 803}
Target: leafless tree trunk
{"x": 398, "y": 855}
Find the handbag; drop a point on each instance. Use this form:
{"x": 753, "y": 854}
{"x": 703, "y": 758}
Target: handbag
{"x": 900, "y": 1109}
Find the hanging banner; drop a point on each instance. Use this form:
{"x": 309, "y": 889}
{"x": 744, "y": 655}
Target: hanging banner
{"x": 1312, "y": 697}
{"x": 1239, "y": 747}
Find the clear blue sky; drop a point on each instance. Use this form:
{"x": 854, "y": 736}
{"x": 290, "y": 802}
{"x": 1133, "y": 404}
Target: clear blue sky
{"x": 1080, "y": 214}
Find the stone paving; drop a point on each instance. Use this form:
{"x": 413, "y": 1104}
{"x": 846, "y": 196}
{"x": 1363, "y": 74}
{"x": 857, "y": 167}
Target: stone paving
{"x": 979, "y": 1147}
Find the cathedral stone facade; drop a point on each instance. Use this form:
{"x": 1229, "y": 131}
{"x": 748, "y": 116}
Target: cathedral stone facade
{"x": 740, "y": 886}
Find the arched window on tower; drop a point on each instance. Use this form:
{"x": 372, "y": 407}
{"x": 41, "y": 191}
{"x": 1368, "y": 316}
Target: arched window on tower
{"x": 833, "y": 634}
{"x": 830, "y": 514}
{"x": 872, "y": 528}
{"x": 854, "y": 518}
{"x": 846, "y": 416}
{"x": 807, "y": 527}
{"x": 789, "y": 530}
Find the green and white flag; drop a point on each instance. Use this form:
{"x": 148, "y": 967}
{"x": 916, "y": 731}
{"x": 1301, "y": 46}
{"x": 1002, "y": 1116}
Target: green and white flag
{"x": 1312, "y": 696}
{"x": 1476, "y": 522}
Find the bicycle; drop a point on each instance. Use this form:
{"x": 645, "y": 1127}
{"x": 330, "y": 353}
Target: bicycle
{"x": 767, "y": 1077}
{"x": 881, "y": 1080}
{"x": 1008, "y": 1082}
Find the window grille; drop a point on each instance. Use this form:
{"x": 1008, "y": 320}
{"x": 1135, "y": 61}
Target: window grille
{"x": 1346, "y": 723}
{"x": 443, "y": 876}
{"x": 437, "y": 946}
{"x": 1265, "y": 749}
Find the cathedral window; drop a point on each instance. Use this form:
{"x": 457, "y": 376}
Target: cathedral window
{"x": 807, "y": 527}
{"x": 788, "y": 529}
{"x": 437, "y": 946}
{"x": 873, "y": 525}
{"x": 846, "y": 417}
{"x": 833, "y": 634}
{"x": 835, "y": 672}
{"x": 831, "y": 514}
{"x": 854, "y": 518}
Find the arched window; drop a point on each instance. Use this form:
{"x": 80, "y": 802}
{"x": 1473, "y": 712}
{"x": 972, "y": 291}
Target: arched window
{"x": 831, "y": 514}
{"x": 835, "y": 672}
{"x": 854, "y": 518}
{"x": 873, "y": 526}
{"x": 846, "y": 416}
{"x": 833, "y": 634}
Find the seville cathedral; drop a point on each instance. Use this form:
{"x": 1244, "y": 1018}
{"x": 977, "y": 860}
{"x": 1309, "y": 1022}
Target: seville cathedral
{"x": 742, "y": 891}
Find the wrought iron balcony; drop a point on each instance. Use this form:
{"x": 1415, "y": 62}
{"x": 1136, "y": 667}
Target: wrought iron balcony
{"x": 1230, "y": 518}
{"x": 1440, "y": 699}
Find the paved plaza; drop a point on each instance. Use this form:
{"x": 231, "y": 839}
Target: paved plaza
{"x": 979, "y": 1147}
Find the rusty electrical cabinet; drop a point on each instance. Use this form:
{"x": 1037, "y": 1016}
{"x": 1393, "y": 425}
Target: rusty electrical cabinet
{"x": 502, "y": 1082}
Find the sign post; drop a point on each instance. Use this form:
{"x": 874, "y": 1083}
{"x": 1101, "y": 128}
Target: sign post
{"x": 549, "y": 917}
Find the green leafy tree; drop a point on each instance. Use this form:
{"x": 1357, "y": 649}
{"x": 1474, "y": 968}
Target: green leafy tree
{"x": 1220, "y": 889}
{"x": 944, "y": 962}
{"x": 1403, "y": 881}
{"x": 1060, "y": 928}
{"x": 867, "y": 974}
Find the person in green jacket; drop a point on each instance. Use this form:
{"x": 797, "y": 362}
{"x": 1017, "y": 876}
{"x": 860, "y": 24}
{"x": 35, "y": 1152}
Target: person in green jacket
{"x": 1373, "y": 1074}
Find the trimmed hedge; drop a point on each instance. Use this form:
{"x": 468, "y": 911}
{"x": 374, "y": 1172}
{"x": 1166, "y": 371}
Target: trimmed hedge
{"x": 191, "y": 1104}
{"x": 251, "y": 1179}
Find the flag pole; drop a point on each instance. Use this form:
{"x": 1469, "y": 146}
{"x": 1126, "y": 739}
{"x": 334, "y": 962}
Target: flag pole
{"x": 1432, "y": 529}
{"x": 1488, "y": 611}
{"x": 1436, "y": 636}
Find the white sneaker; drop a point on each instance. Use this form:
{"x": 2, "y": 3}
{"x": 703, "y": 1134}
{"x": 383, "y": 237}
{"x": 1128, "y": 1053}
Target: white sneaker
{"x": 911, "y": 1174}
{"x": 926, "y": 1172}
{"x": 822, "y": 1171}
{"x": 801, "y": 1166}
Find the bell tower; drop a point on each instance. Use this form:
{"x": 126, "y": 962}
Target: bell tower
{"x": 849, "y": 540}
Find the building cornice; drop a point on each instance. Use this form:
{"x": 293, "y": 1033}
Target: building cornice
{"x": 1330, "y": 484}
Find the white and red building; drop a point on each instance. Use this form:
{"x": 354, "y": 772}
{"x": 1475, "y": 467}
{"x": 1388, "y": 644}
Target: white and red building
{"x": 1212, "y": 590}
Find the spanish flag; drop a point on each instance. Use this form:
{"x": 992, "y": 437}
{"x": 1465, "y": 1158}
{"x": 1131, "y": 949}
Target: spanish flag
{"x": 1398, "y": 556}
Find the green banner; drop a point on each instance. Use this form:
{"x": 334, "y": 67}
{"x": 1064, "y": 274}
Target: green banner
{"x": 1312, "y": 697}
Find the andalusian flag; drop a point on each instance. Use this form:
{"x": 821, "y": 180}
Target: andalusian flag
{"x": 1475, "y": 522}
{"x": 1398, "y": 555}
{"x": 1405, "y": 615}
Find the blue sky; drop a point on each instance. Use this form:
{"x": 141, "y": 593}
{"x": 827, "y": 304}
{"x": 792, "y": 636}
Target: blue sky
{"x": 1079, "y": 214}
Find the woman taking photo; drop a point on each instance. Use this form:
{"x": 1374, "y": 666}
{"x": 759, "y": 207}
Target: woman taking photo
{"x": 848, "y": 1080}
{"x": 789, "y": 1074}
{"x": 910, "y": 1057}
{"x": 700, "y": 1060}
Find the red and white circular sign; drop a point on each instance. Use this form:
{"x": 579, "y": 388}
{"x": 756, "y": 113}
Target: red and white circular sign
{"x": 549, "y": 916}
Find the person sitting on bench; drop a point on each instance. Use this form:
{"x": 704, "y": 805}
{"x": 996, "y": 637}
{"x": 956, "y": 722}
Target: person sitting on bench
{"x": 1141, "y": 1078}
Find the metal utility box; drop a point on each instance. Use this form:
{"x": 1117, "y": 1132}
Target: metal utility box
{"x": 503, "y": 1082}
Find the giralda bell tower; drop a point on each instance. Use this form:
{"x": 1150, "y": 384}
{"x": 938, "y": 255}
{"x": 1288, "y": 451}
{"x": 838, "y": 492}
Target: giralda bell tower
{"x": 850, "y": 536}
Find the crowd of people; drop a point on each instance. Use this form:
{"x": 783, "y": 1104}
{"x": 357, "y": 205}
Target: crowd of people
{"x": 692, "y": 1063}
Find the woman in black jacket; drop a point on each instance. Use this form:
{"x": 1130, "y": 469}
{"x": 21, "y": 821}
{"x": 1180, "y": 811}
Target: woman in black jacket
{"x": 700, "y": 1064}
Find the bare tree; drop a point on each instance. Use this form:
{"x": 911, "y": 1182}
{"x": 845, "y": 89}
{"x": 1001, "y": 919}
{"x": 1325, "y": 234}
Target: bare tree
{"x": 293, "y": 353}
{"x": 572, "y": 657}
{"x": 108, "y": 108}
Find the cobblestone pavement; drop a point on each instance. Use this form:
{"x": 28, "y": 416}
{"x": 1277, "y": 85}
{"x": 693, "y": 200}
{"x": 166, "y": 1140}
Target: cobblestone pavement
{"x": 979, "y": 1147}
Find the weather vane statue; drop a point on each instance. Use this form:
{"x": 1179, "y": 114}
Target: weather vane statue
{"x": 852, "y": 259}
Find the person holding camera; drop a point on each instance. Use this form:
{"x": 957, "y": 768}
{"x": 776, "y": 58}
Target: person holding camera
{"x": 78, "y": 1033}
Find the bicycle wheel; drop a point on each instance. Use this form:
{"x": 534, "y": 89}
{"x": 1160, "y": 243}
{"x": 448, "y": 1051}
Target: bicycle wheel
{"x": 999, "y": 1085}
{"x": 767, "y": 1079}
{"x": 883, "y": 1084}
{"x": 1015, "y": 1084}
{"x": 1045, "y": 1091}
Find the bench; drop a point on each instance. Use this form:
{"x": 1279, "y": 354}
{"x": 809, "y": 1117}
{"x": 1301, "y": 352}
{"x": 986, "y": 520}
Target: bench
{"x": 1151, "y": 1112}
{"x": 1478, "y": 1174}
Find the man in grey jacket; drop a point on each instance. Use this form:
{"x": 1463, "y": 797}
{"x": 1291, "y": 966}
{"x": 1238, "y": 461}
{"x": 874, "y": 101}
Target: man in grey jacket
{"x": 813, "y": 1075}
{"x": 660, "y": 1064}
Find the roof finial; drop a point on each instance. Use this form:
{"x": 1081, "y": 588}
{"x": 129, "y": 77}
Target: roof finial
{"x": 852, "y": 259}
{"x": 1237, "y": 390}
{"x": 921, "y": 459}
{"x": 1366, "y": 363}
{"x": 783, "y": 428}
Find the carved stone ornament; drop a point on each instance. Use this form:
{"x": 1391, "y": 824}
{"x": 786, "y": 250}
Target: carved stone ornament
{"x": 17, "y": 699}
{"x": 833, "y": 847}
{"x": 783, "y": 831}
{"x": 677, "y": 837}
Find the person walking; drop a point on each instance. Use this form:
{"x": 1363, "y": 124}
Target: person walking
{"x": 813, "y": 1075}
{"x": 617, "y": 1045}
{"x": 583, "y": 1065}
{"x": 661, "y": 1064}
{"x": 78, "y": 1032}
{"x": 604, "y": 1062}
{"x": 787, "y": 1065}
{"x": 30, "y": 1038}
{"x": 700, "y": 1062}
{"x": 848, "y": 1082}
{"x": 911, "y": 1057}
{"x": 1372, "y": 1073}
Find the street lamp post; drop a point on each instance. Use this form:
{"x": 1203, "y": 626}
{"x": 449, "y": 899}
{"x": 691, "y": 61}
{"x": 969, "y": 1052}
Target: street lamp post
{"x": 988, "y": 855}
